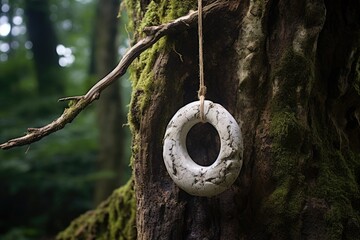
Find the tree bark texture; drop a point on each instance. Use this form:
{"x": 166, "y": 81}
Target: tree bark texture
{"x": 288, "y": 71}
{"x": 109, "y": 108}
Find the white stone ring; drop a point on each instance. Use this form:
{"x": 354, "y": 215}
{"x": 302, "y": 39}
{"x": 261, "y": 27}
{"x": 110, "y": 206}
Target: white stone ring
{"x": 193, "y": 178}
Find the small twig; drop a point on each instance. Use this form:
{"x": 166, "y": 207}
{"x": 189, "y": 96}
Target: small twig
{"x": 77, "y": 98}
{"x": 153, "y": 33}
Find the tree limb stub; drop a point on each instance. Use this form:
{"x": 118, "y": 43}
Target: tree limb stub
{"x": 153, "y": 34}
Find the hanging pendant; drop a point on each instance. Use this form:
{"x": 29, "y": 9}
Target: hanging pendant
{"x": 193, "y": 178}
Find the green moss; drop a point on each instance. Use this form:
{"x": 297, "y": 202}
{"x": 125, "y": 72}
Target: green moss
{"x": 152, "y": 16}
{"x": 141, "y": 70}
{"x": 287, "y": 135}
{"x": 157, "y": 12}
{"x": 336, "y": 181}
{"x": 134, "y": 12}
{"x": 285, "y": 203}
{"x": 286, "y": 130}
{"x": 285, "y": 211}
{"x": 177, "y": 8}
{"x": 290, "y": 77}
{"x": 337, "y": 184}
{"x": 120, "y": 220}
{"x": 142, "y": 75}
{"x": 144, "y": 82}
{"x": 113, "y": 219}
{"x": 135, "y": 147}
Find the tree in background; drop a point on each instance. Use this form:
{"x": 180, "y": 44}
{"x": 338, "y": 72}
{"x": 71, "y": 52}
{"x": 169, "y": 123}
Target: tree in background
{"x": 288, "y": 71}
{"x": 110, "y": 115}
{"x": 44, "y": 41}
{"x": 44, "y": 187}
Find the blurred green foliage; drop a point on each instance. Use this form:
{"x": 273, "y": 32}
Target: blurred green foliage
{"x": 47, "y": 184}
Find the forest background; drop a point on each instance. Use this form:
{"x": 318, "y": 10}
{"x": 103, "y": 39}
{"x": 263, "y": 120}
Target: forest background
{"x": 50, "y": 49}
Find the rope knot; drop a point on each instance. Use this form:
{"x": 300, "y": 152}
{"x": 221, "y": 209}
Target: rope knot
{"x": 202, "y": 91}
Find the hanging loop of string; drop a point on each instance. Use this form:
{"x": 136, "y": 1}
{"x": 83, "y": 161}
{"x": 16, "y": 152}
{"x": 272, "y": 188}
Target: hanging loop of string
{"x": 202, "y": 87}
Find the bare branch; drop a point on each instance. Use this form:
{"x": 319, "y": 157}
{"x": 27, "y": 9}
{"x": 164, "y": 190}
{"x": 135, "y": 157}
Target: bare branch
{"x": 153, "y": 34}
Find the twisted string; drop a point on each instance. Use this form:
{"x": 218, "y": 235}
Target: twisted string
{"x": 202, "y": 87}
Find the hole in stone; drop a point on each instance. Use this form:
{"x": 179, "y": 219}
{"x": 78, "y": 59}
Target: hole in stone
{"x": 203, "y": 144}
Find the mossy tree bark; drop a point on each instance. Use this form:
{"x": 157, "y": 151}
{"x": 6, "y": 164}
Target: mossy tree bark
{"x": 288, "y": 71}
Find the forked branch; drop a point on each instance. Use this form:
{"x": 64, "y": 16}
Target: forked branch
{"x": 153, "y": 34}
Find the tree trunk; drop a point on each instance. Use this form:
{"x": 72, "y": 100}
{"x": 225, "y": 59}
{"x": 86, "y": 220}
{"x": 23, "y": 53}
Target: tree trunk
{"x": 42, "y": 35}
{"x": 288, "y": 71}
{"x": 109, "y": 109}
